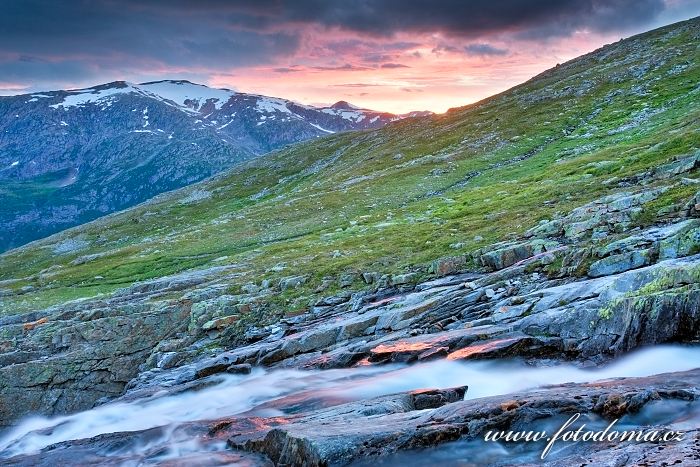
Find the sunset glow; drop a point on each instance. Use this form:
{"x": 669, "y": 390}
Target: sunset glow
{"x": 368, "y": 53}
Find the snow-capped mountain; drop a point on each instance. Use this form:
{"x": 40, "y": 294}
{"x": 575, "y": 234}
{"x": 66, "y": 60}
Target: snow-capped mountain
{"x": 67, "y": 157}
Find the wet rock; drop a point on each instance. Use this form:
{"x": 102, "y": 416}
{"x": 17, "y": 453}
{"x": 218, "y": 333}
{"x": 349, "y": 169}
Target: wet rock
{"x": 213, "y": 366}
{"x": 97, "y": 357}
{"x": 242, "y": 369}
{"x": 434, "y": 398}
{"x": 380, "y": 427}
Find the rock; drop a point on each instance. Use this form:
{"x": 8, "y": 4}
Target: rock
{"x": 219, "y": 323}
{"x": 622, "y": 262}
{"x": 692, "y": 207}
{"x": 213, "y": 366}
{"x": 291, "y": 282}
{"x": 250, "y": 288}
{"x": 609, "y": 213}
{"x": 334, "y": 300}
{"x": 370, "y": 277}
{"x": 401, "y": 279}
{"x": 506, "y": 346}
{"x": 679, "y": 166}
{"x": 99, "y": 346}
{"x": 511, "y": 254}
{"x": 372, "y": 429}
{"x": 448, "y": 266}
{"x": 552, "y": 228}
{"x": 686, "y": 242}
{"x": 242, "y": 369}
{"x": 433, "y": 398}
{"x": 347, "y": 279}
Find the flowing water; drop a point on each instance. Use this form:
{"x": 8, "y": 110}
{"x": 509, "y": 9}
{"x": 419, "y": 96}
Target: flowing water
{"x": 283, "y": 391}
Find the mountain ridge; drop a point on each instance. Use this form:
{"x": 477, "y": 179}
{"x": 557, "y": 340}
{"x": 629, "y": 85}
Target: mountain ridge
{"x": 67, "y": 157}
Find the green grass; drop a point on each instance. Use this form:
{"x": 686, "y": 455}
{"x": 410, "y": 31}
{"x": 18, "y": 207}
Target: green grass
{"x": 353, "y": 194}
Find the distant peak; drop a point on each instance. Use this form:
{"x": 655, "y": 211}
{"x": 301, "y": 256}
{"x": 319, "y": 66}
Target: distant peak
{"x": 344, "y": 105}
{"x": 111, "y": 85}
{"x": 172, "y": 81}
{"x": 183, "y": 83}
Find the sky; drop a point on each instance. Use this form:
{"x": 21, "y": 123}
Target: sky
{"x": 392, "y": 55}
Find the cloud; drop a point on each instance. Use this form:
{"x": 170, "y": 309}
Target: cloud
{"x": 345, "y": 67}
{"x": 441, "y": 48}
{"x": 357, "y": 85}
{"x": 46, "y": 41}
{"x": 394, "y": 65}
{"x": 451, "y": 17}
{"x": 287, "y": 69}
{"x": 482, "y": 49}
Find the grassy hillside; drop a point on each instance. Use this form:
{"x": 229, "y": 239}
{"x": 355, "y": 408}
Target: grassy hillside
{"x": 395, "y": 199}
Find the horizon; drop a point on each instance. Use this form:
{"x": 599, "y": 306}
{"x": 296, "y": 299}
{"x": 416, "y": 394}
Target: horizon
{"x": 422, "y": 56}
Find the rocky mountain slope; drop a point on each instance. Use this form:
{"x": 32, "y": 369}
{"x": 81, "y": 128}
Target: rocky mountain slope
{"x": 67, "y": 157}
{"x": 558, "y": 221}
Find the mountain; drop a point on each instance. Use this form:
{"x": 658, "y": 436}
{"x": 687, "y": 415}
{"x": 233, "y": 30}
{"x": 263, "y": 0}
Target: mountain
{"x": 67, "y": 157}
{"x": 557, "y": 223}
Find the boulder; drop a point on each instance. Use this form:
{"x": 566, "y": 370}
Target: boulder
{"x": 401, "y": 279}
{"x": 291, "y": 282}
{"x": 510, "y": 254}
{"x": 447, "y": 266}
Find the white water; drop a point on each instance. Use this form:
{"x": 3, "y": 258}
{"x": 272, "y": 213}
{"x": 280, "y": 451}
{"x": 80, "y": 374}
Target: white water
{"x": 239, "y": 394}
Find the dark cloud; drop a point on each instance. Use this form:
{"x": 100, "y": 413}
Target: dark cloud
{"x": 68, "y": 40}
{"x": 394, "y": 65}
{"x": 467, "y": 19}
{"x": 484, "y": 49}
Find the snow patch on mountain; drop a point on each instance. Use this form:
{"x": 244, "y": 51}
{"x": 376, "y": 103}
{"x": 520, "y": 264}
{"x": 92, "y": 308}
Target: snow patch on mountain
{"x": 270, "y": 105}
{"x": 352, "y": 115}
{"x": 186, "y": 94}
{"x": 322, "y": 129}
{"x": 81, "y": 97}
